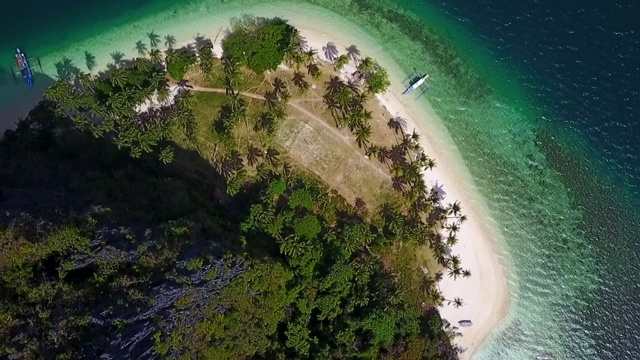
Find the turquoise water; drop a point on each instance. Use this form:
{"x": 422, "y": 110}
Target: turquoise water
{"x": 544, "y": 119}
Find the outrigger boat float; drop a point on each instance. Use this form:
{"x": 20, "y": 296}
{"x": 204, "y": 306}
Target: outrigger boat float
{"x": 414, "y": 81}
{"x": 24, "y": 68}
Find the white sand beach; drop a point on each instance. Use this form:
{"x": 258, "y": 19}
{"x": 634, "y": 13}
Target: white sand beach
{"x": 485, "y": 293}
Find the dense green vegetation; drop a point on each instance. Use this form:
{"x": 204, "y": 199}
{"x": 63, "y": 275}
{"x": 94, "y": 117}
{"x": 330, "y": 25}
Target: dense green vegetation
{"x": 106, "y": 251}
{"x": 178, "y": 62}
{"x": 258, "y": 43}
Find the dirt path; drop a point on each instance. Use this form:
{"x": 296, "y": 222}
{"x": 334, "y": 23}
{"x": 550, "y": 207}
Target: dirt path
{"x": 317, "y": 120}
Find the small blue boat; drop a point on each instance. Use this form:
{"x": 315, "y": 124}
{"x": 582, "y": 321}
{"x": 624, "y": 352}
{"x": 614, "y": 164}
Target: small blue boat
{"x": 24, "y": 68}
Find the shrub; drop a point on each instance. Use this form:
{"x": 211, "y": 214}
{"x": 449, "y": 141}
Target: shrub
{"x": 178, "y": 63}
{"x": 258, "y": 43}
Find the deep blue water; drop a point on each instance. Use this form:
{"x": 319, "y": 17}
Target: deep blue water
{"x": 576, "y": 66}
{"x": 579, "y": 63}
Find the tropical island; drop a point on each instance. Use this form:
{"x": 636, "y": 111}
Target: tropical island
{"x": 251, "y": 201}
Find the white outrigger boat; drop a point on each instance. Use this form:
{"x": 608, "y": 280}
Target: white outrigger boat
{"x": 416, "y": 85}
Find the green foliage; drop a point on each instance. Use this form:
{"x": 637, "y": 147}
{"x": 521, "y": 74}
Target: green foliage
{"x": 109, "y": 106}
{"x": 254, "y": 304}
{"x": 258, "y": 43}
{"x": 378, "y": 81}
{"x": 178, "y": 62}
{"x": 308, "y": 227}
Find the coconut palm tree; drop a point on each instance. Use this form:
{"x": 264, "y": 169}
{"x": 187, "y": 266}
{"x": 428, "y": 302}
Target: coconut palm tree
{"x": 341, "y": 62}
{"x": 384, "y": 155}
{"x": 293, "y": 246}
{"x": 90, "y": 60}
{"x": 271, "y": 98}
{"x": 253, "y": 155}
{"x": 169, "y": 41}
{"x": 279, "y": 87}
{"x": 118, "y": 77}
{"x": 455, "y": 272}
{"x": 85, "y": 80}
{"x": 456, "y": 302}
{"x": 394, "y": 125}
{"x": 154, "y": 39}
{"x": 334, "y": 84}
{"x": 156, "y": 56}
{"x": 310, "y": 56}
{"x": 141, "y": 48}
{"x": 455, "y": 208}
{"x": 397, "y": 183}
{"x": 265, "y": 122}
{"x": 313, "y": 70}
{"x": 272, "y": 156}
{"x": 366, "y": 66}
{"x": 363, "y": 134}
{"x": 262, "y": 171}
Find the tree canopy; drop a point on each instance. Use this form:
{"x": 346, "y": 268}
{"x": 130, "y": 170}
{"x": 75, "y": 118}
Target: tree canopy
{"x": 258, "y": 43}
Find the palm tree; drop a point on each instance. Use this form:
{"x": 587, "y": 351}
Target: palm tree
{"x": 334, "y": 84}
{"x": 293, "y": 247}
{"x": 457, "y": 302}
{"x": 366, "y": 66}
{"x": 455, "y": 272}
{"x": 298, "y": 79}
{"x": 394, "y": 125}
{"x": 313, "y": 70}
{"x": 363, "y": 134}
{"x": 90, "y": 60}
{"x": 309, "y": 56}
{"x": 169, "y": 41}
{"x": 265, "y": 122}
{"x": 383, "y": 155}
{"x": 118, "y": 77}
{"x": 466, "y": 273}
{"x": 272, "y": 156}
{"x": 262, "y": 171}
{"x": 271, "y": 98}
{"x": 341, "y": 62}
{"x": 141, "y": 48}
{"x": 455, "y": 209}
{"x": 278, "y": 86}
{"x": 372, "y": 151}
{"x": 253, "y": 154}
{"x": 155, "y": 55}
{"x": 85, "y": 80}
{"x": 397, "y": 183}
{"x": 154, "y": 39}
{"x": 142, "y": 64}
{"x": 353, "y": 53}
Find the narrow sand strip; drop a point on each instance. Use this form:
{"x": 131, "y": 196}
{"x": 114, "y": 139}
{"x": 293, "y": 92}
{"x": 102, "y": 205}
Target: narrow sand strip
{"x": 485, "y": 293}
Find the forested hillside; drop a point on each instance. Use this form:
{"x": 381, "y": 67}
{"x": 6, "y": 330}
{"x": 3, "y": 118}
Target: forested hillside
{"x": 121, "y": 238}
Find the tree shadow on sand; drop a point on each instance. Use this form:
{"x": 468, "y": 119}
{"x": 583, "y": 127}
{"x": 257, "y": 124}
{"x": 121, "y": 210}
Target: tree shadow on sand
{"x": 90, "y": 60}
{"x": 201, "y": 41}
{"x": 117, "y": 57}
{"x": 66, "y": 70}
{"x": 353, "y": 53}
{"x": 330, "y": 51}
{"x": 304, "y": 44}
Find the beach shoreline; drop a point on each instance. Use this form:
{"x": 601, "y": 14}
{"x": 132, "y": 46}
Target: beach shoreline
{"x": 485, "y": 293}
